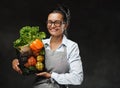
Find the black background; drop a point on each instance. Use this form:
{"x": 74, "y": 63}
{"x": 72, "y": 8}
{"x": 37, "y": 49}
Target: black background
{"x": 94, "y": 26}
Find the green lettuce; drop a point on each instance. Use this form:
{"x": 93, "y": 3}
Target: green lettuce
{"x": 27, "y": 35}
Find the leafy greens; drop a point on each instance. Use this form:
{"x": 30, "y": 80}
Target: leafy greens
{"x": 27, "y": 35}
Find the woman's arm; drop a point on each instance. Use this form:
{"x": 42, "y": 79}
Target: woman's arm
{"x": 75, "y": 75}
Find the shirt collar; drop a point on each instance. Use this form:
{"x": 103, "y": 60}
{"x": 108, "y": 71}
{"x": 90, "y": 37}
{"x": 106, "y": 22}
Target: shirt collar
{"x": 64, "y": 41}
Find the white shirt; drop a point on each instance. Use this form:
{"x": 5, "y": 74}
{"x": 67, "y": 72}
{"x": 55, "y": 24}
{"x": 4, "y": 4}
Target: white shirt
{"x": 75, "y": 75}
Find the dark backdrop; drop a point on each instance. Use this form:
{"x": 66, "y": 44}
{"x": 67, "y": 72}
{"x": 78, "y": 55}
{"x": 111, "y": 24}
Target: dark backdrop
{"x": 94, "y": 26}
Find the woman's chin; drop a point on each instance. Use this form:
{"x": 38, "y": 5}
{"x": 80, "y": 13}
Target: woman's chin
{"x": 54, "y": 34}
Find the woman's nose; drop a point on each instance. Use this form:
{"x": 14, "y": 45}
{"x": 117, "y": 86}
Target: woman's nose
{"x": 52, "y": 25}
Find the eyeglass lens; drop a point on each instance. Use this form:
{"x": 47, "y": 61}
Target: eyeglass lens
{"x": 56, "y": 23}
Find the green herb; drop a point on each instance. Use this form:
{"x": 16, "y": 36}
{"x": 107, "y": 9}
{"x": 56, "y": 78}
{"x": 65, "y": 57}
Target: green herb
{"x": 27, "y": 35}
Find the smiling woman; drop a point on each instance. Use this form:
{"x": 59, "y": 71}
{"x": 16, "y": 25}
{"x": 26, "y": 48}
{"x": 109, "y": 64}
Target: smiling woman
{"x": 62, "y": 58}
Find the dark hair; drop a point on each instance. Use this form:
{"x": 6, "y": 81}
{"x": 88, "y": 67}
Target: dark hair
{"x": 64, "y": 10}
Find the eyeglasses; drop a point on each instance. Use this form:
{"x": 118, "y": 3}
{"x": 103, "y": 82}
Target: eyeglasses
{"x": 56, "y": 23}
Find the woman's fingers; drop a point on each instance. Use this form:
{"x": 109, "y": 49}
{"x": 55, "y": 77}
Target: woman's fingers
{"x": 45, "y": 74}
{"x": 18, "y": 69}
{"x": 15, "y": 66}
{"x": 41, "y": 73}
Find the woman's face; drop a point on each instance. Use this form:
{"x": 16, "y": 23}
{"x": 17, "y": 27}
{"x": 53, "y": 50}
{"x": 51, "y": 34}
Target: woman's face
{"x": 55, "y": 24}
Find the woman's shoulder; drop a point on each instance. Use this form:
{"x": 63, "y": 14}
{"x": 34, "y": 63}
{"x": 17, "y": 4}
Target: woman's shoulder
{"x": 45, "y": 40}
{"x": 71, "y": 42}
{"x": 67, "y": 41}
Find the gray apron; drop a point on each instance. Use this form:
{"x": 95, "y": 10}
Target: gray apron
{"x": 55, "y": 61}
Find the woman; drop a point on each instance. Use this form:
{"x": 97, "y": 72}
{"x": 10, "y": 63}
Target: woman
{"x": 63, "y": 62}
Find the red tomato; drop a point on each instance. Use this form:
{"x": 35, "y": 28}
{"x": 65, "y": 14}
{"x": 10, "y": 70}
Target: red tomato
{"x": 32, "y": 61}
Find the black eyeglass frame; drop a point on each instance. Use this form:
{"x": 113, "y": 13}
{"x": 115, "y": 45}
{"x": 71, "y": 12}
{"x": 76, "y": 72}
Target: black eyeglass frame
{"x": 56, "y": 23}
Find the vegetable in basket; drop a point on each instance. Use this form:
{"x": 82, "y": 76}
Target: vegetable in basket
{"x": 30, "y": 48}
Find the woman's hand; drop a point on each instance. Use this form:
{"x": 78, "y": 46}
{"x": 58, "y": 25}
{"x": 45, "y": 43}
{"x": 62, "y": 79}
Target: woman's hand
{"x": 44, "y": 74}
{"x": 15, "y": 64}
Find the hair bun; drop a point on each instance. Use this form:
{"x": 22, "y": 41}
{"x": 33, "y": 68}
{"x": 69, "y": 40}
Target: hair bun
{"x": 65, "y": 10}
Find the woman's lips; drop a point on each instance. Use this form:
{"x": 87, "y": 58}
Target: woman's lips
{"x": 53, "y": 30}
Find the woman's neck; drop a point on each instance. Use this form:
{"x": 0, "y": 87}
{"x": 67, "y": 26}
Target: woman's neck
{"x": 56, "y": 39}
{"x": 55, "y": 42}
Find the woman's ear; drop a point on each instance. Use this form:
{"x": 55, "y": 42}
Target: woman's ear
{"x": 66, "y": 26}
